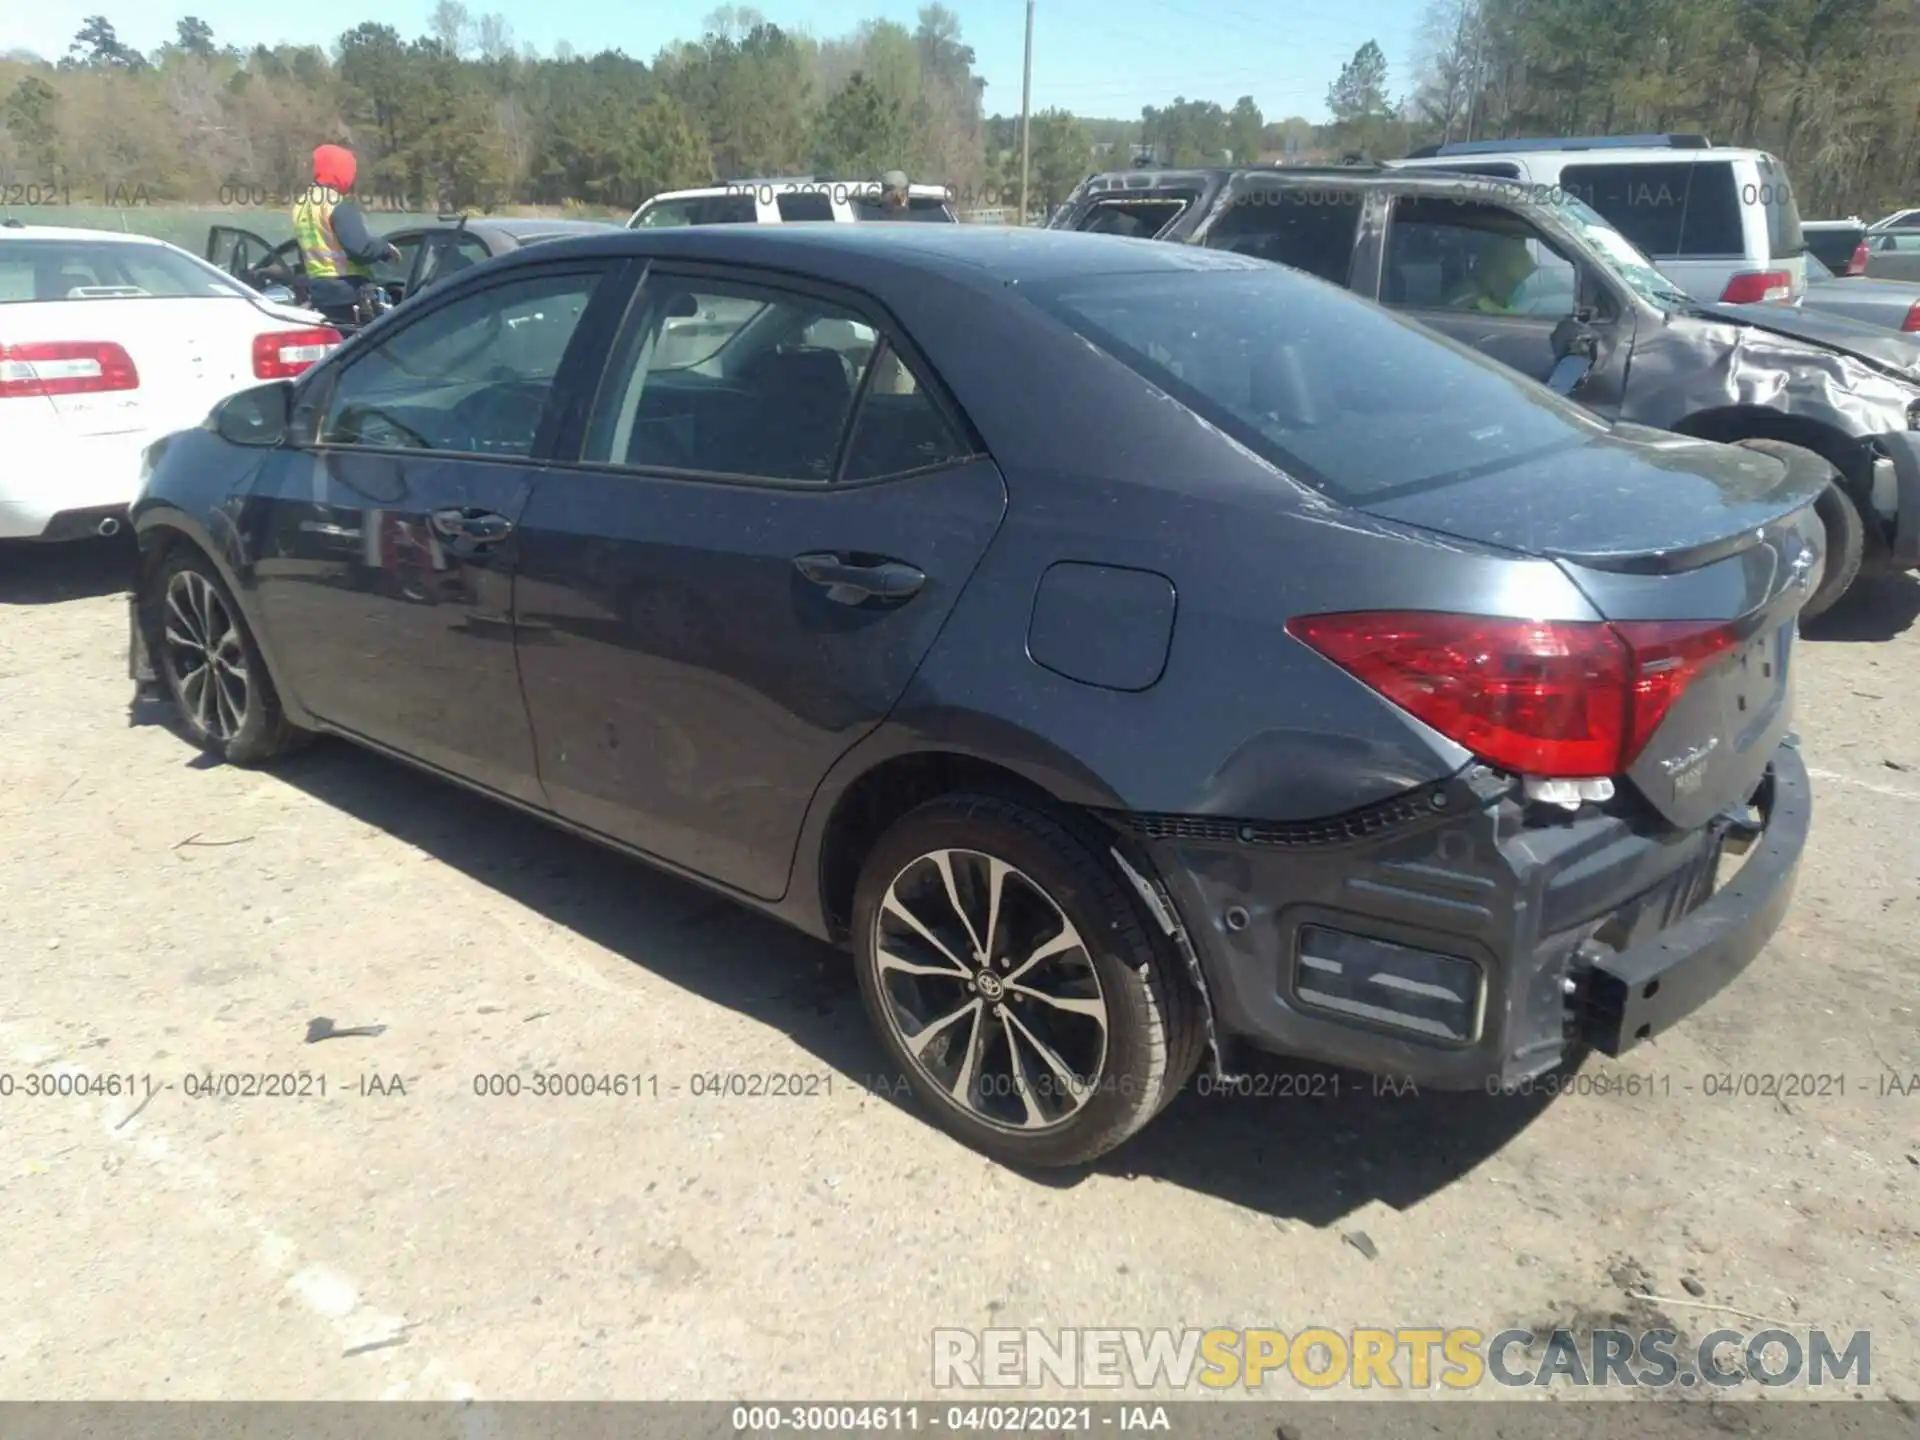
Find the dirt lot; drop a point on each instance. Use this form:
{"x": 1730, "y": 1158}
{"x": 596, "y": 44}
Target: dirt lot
{"x": 403, "y": 1236}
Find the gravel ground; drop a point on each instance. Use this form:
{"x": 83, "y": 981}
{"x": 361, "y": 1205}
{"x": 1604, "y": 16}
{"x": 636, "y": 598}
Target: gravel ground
{"x": 403, "y": 1236}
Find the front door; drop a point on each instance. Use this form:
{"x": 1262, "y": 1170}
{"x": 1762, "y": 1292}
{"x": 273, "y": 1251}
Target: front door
{"x": 1486, "y": 276}
{"x": 385, "y": 548}
{"x": 770, "y": 519}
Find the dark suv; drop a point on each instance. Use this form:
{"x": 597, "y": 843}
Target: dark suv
{"x": 1538, "y": 280}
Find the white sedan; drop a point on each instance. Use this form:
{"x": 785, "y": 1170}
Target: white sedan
{"x": 108, "y": 342}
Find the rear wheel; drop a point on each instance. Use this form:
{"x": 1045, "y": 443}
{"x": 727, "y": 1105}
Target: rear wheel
{"x": 1013, "y": 980}
{"x": 213, "y": 669}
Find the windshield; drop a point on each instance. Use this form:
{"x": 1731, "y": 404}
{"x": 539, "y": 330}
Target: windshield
{"x": 106, "y": 270}
{"x": 1335, "y": 390}
{"x": 1618, "y": 256}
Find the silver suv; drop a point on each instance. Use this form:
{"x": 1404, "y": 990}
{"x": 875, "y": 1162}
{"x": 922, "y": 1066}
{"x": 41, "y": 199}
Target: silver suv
{"x": 785, "y": 202}
{"x": 1721, "y": 222}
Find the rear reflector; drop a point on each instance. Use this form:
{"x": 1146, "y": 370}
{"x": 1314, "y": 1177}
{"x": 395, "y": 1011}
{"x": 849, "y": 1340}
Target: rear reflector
{"x": 1564, "y": 698}
{"x": 1438, "y": 996}
{"x": 1752, "y": 286}
{"x": 65, "y": 367}
{"x": 281, "y": 354}
{"x": 1857, "y": 265}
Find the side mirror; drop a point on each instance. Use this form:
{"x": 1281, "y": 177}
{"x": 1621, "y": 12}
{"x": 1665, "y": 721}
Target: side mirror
{"x": 256, "y": 417}
{"x": 1569, "y": 372}
{"x": 683, "y": 306}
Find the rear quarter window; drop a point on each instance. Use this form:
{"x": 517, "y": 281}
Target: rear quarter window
{"x": 1682, "y": 209}
{"x": 1307, "y": 227}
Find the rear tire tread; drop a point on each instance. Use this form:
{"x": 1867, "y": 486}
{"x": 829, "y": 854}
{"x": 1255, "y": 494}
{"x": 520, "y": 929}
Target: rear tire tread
{"x": 1174, "y": 1029}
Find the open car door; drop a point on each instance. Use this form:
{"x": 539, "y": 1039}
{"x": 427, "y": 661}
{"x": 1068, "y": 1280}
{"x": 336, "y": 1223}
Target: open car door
{"x": 443, "y": 253}
{"x": 256, "y": 262}
{"x": 238, "y": 252}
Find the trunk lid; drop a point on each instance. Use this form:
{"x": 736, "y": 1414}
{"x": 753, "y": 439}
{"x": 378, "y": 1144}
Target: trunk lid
{"x": 189, "y": 352}
{"x": 1655, "y": 529}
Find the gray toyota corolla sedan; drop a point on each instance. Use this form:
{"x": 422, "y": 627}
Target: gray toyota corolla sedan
{"x": 1131, "y": 653}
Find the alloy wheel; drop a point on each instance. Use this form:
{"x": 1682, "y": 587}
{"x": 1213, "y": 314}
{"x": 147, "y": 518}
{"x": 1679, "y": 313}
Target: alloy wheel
{"x": 991, "y": 990}
{"x": 206, "y": 657}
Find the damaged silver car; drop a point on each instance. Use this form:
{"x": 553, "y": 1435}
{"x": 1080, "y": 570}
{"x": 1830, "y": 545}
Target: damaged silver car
{"x": 1539, "y": 281}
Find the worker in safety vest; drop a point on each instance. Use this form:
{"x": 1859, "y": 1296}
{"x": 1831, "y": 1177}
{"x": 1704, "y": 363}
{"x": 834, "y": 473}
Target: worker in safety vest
{"x": 338, "y": 250}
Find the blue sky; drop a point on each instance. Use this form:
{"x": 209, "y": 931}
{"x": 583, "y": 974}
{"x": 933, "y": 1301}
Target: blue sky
{"x": 1095, "y": 57}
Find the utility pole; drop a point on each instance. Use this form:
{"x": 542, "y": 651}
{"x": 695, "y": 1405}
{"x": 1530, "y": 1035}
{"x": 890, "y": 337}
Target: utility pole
{"x": 1026, "y": 115}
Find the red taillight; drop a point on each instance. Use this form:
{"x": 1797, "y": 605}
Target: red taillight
{"x": 65, "y": 367}
{"x": 1858, "y": 264}
{"x": 1912, "y": 323}
{"x": 1751, "y": 286}
{"x": 1560, "y": 698}
{"x": 279, "y": 354}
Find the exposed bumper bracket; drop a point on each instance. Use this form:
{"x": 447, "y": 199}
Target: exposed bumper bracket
{"x": 1633, "y": 995}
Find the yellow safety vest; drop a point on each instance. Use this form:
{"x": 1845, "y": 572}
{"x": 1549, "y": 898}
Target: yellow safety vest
{"x": 319, "y": 246}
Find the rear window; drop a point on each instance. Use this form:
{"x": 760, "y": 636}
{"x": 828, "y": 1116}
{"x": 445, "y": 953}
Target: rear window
{"x": 1308, "y": 227}
{"x": 1834, "y": 248}
{"x": 1667, "y": 210}
{"x": 1141, "y": 217}
{"x": 919, "y": 207}
{"x": 1339, "y": 393}
{"x": 104, "y": 270}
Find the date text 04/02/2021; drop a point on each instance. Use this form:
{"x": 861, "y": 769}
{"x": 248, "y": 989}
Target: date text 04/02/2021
{"x": 955, "y": 1419}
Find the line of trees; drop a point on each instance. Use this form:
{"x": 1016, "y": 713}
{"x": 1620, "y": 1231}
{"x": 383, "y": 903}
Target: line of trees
{"x": 1832, "y": 87}
{"x": 462, "y": 116}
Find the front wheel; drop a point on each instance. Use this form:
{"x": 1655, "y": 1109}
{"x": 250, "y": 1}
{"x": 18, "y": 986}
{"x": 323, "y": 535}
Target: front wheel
{"x": 1014, "y": 982}
{"x": 212, "y": 667}
{"x": 1846, "y": 549}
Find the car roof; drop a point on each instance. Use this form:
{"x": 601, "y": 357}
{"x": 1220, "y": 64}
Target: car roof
{"x": 1595, "y": 155}
{"x": 1427, "y": 178}
{"x": 31, "y": 231}
{"x": 746, "y": 187}
{"x": 980, "y": 257}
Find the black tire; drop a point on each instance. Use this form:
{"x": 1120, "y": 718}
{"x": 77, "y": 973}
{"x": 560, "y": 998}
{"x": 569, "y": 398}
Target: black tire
{"x": 248, "y": 734}
{"x": 1846, "y": 550}
{"x": 1154, "y": 1027}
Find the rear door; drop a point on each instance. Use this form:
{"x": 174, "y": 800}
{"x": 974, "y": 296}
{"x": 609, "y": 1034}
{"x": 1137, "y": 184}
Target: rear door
{"x": 768, "y": 521}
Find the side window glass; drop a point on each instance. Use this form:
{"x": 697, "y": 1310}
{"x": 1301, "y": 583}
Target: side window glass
{"x": 1482, "y": 258}
{"x": 805, "y": 205}
{"x": 471, "y": 377}
{"x": 1307, "y": 227}
{"x": 395, "y": 272}
{"x": 664, "y": 215}
{"x": 899, "y": 427}
{"x": 1666, "y": 210}
{"x": 730, "y": 380}
{"x": 734, "y": 209}
{"x": 1142, "y": 219}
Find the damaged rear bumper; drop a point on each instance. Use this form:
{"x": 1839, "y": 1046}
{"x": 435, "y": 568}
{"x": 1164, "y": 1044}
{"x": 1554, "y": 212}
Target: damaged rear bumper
{"x": 1453, "y": 939}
